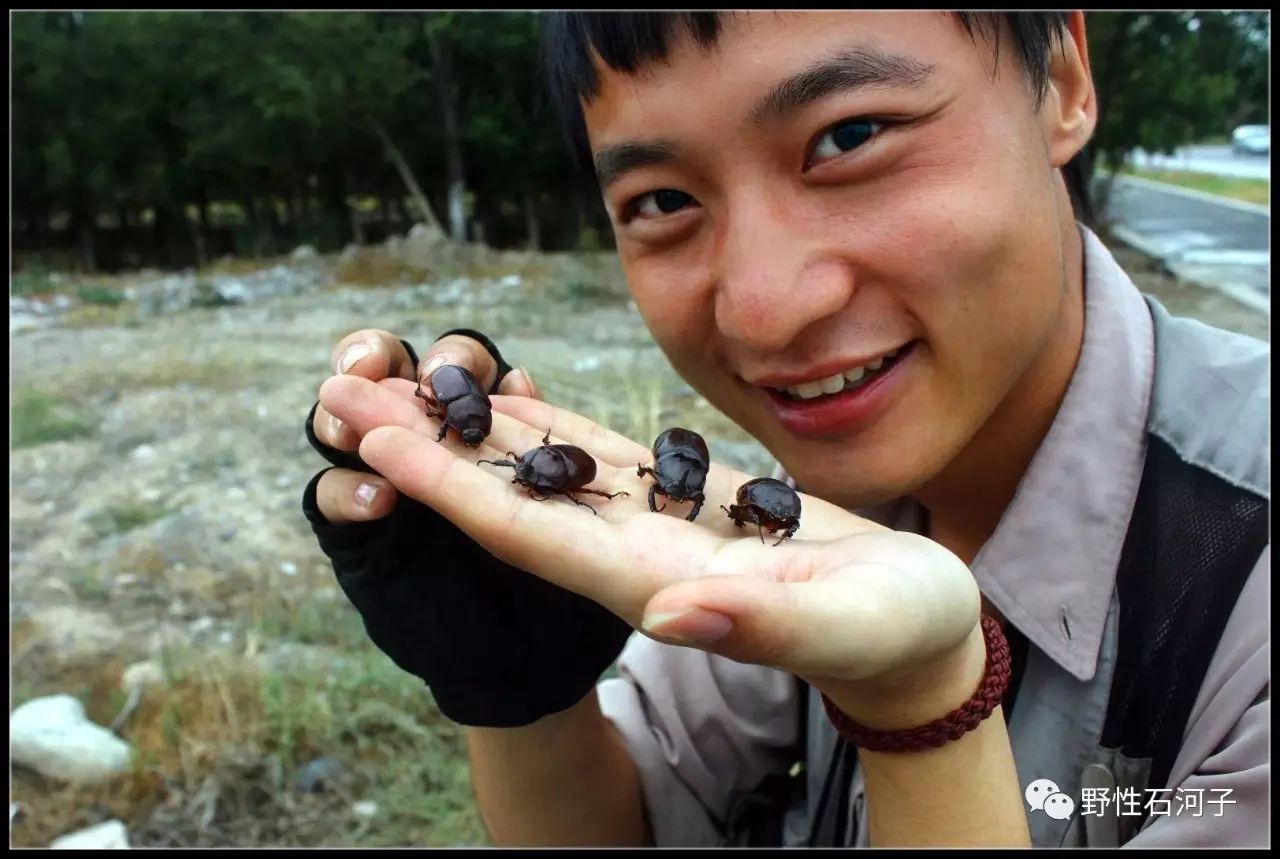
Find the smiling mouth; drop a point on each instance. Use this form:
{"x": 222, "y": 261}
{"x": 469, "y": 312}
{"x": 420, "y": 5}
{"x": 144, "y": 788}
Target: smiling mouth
{"x": 849, "y": 380}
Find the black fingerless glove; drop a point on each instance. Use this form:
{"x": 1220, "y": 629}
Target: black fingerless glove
{"x": 498, "y": 647}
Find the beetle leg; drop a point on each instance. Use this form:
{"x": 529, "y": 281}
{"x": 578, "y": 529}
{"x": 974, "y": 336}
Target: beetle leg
{"x": 444, "y": 428}
{"x": 501, "y": 462}
{"x": 788, "y": 533}
{"x": 581, "y": 504}
{"x": 760, "y": 531}
{"x": 653, "y": 500}
{"x": 642, "y": 470}
{"x": 546, "y": 439}
{"x": 698, "y": 501}
{"x": 603, "y": 494}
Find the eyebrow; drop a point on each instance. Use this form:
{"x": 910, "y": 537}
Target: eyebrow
{"x": 611, "y": 163}
{"x": 851, "y": 69}
{"x": 856, "y": 68}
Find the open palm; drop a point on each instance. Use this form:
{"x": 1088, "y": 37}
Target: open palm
{"x": 846, "y": 598}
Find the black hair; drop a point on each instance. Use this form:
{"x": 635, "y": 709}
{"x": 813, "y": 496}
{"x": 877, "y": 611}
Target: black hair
{"x": 626, "y": 41}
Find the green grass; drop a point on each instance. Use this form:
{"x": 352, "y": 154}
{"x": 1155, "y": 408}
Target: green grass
{"x": 38, "y": 417}
{"x": 33, "y": 279}
{"x": 97, "y": 294}
{"x": 1249, "y": 190}
{"x": 119, "y": 518}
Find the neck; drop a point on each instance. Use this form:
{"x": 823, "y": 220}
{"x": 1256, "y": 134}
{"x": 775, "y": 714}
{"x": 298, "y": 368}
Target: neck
{"x": 966, "y": 501}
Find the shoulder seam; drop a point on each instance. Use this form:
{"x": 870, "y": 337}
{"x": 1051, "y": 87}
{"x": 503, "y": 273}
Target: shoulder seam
{"x": 1233, "y": 480}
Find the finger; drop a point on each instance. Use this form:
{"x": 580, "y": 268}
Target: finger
{"x": 362, "y": 405}
{"x": 461, "y": 351}
{"x": 518, "y": 383}
{"x": 619, "y": 564}
{"x": 604, "y": 444}
{"x": 344, "y": 496}
{"x": 333, "y": 432}
{"x": 373, "y": 354}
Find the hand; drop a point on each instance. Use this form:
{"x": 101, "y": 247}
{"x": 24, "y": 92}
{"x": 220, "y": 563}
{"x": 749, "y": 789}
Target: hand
{"x": 347, "y": 493}
{"x": 498, "y": 647}
{"x": 845, "y": 604}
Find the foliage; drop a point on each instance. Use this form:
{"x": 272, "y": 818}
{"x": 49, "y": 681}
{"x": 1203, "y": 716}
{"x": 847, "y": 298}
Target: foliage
{"x": 171, "y": 138}
{"x": 1165, "y": 79}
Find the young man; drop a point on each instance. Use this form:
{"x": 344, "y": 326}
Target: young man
{"x": 852, "y": 234}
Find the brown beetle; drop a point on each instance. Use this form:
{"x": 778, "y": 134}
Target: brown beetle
{"x": 681, "y": 462}
{"x": 554, "y": 469}
{"x": 460, "y": 403}
{"x": 769, "y": 504}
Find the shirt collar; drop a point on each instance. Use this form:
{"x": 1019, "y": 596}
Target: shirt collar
{"x": 1050, "y": 566}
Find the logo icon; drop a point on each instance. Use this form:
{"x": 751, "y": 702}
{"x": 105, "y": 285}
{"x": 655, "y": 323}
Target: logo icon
{"x": 1044, "y": 795}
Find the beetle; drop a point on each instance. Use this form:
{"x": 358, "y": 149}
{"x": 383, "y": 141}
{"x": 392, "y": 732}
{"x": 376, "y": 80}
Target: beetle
{"x": 554, "y": 469}
{"x": 459, "y": 402}
{"x": 681, "y": 461}
{"x": 767, "y": 503}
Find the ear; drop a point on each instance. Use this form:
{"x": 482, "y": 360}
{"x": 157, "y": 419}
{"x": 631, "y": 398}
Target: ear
{"x": 1070, "y": 110}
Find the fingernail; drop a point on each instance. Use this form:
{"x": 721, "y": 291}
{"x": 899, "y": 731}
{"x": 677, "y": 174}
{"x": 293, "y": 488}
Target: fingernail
{"x": 696, "y": 625}
{"x": 352, "y": 355}
{"x": 366, "y": 493}
{"x": 335, "y": 427}
{"x": 434, "y": 363}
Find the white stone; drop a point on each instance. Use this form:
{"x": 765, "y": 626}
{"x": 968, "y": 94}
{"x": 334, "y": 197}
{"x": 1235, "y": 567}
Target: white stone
{"x": 364, "y": 808}
{"x": 52, "y": 736}
{"x": 289, "y": 568}
{"x": 303, "y": 252}
{"x": 104, "y": 836}
{"x": 143, "y": 451}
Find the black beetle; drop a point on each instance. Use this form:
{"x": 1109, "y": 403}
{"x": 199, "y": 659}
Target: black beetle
{"x": 681, "y": 461}
{"x": 769, "y": 504}
{"x": 554, "y": 469}
{"x": 460, "y": 403}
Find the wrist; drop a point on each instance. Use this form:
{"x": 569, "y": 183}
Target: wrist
{"x": 915, "y": 696}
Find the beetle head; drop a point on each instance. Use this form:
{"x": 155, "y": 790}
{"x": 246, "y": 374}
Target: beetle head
{"x": 472, "y": 436}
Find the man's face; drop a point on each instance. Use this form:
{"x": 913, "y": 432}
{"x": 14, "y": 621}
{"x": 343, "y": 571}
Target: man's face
{"x": 817, "y": 192}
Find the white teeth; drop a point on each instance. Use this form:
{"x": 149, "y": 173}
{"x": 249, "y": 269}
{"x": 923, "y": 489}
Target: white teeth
{"x": 832, "y": 384}
{"x": 837, "y": 383}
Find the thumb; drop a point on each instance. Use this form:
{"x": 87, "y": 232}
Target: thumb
{"x": 810, "y": 627}
{"x": 849, "y": 628}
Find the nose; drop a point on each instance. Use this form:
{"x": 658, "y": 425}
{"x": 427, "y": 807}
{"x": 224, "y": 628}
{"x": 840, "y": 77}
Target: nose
{"x": 774, "y": 282}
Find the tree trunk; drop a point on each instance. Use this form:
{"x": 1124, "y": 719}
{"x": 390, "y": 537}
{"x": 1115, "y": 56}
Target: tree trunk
{"x": 200, "y": 229}
{"x": 447, "y": 93}
{"x": 406, "y": 175}
{"x": 532, "y": 226}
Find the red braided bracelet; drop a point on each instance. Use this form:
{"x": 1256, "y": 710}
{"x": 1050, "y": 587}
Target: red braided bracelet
{"x": 950, "y": 727}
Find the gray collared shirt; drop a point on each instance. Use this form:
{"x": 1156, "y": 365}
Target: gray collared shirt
{"x": 704, "y": 730}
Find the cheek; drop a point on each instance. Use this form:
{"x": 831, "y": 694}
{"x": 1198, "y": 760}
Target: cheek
{"x": 677, "y": 308}
{"x": 971, "y": 243}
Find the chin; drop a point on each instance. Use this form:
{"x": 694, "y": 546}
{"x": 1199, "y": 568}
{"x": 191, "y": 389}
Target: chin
{"x": 848, "y": 485}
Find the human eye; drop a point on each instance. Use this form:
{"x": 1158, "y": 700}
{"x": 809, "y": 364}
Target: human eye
{"x": 843, "y": 137}
{"x": 655, "y": 204}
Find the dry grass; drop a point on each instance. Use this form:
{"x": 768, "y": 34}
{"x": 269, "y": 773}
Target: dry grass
{"x": 217, "y": 746}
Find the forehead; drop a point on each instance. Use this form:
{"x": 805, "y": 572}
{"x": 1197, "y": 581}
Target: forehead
{"x": 756, "y": 50}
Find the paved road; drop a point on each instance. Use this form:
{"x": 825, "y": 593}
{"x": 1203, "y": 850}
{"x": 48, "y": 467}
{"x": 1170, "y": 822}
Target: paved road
{"x": 1223, "y": 245}
{"x": 1218, "y": 160}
